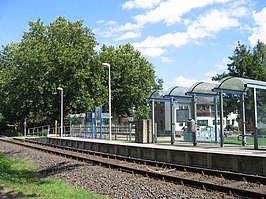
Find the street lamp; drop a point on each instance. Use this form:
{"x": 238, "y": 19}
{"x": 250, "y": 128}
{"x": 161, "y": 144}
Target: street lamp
{"x": 110, "y": 105}
{"x": 61, "y": 118}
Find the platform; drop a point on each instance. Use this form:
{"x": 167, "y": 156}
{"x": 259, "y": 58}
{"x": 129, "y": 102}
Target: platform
{"x": 230, "y": 158}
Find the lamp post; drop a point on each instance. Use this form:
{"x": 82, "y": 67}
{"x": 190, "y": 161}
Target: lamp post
{"x": 61, "y": 117}
{"x": 110, "y": 105}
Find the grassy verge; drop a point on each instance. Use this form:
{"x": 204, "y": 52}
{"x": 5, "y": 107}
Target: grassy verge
{"x": 250, "y": 141}
{"x": 18, "y": 177}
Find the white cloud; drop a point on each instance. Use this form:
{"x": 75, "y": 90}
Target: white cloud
{"x": 205, "y": 26}
{"x": 184, "y": 82}
{"x": 166, "y": 60}
{"x": 176, "y": 39}
{"x": 212, "y": 22}
{"x": 211, "y": 73}
{"x": 181, "y": 81}
{"x": 218, "y": 68}
{"x": 142, "y": 4}
{"x": 171, "y": 11}
{"x": 260, "y": 29}
{"x": 129, "y": 35}
{"x": 239, "y": 11}
{"x": 128, "y": 27}
{"x": 151, "y": 43}
{"x": 152, "y": 52}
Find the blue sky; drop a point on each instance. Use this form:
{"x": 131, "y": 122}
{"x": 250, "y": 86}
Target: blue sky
{"x": 186, "y": 40}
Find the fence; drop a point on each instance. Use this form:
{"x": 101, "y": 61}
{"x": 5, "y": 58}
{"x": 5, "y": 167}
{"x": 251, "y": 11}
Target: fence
{"x": 119, "y": 132}
{"x": 39, "y": 131}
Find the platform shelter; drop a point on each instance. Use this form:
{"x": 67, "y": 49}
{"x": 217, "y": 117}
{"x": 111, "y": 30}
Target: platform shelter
{"x": 212, "y": 93}
{"x": 240, "y": 86}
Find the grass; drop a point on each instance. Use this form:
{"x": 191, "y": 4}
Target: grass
{"x": 250, "y": 141}
{"x": 20, "y": 177}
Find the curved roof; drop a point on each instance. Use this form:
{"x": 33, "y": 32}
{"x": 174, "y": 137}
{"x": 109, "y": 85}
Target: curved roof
{"x": 157, "y": 94}
{"x": 233, "y": 85}
{"x": 239, "y": 85}
{"x": 177, "y": 91}
{"x": 203, "y": 89}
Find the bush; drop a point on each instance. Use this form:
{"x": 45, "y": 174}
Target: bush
{"x": 229, "y": 127}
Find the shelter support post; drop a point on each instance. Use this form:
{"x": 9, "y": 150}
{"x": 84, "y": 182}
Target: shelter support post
{"x": 243, "y": 119}
{"x": 194, "y": 116}
{"x": 255, "y": 118}
{"x": 153, "y": 122}
{"x": 216, "y": 119}
{"x": 221, "y": 120}
{"x": 172, "y": 120}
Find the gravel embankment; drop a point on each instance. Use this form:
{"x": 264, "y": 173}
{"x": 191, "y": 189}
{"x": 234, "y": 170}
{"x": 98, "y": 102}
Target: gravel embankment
{"x": 104, "y": 181}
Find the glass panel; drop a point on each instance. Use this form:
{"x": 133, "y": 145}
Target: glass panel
{"x": 236, "y": 83}
{"x": 232, "y": 83}
{"x": 204, "y": 87}
{"x": 261, "y": 107}
{"x": 157, "y": 94}
{"x": 177, "y": 91}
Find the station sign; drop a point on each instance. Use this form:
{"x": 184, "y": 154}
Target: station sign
{"x": 105, "y": 115}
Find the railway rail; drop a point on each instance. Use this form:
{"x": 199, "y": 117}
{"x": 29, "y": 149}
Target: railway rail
{"x": 237, "y": 184}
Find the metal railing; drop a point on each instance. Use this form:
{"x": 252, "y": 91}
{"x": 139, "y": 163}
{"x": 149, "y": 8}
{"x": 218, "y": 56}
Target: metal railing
{"x": 119, "y": 132}
{"x": 38, "y": 131}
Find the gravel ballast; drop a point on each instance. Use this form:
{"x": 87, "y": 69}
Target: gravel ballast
{"x": 104, "y": 181}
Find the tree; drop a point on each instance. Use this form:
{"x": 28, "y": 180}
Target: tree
{"x": 63, "y": 54}
{"x": 132, "y": 79}
{"x": 260, "y": 48}
{"x": 59, "y": 54}
{"x": 245, "y": 63}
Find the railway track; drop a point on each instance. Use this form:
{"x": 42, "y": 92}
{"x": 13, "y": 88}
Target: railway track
{"x": 237, "y": 184}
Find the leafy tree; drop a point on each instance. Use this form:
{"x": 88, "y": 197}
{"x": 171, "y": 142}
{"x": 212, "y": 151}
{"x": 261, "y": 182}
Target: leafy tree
{"x": 218, "y": 77}
{"x": 260, "y": 48}
{"x": 59, "y": 54}
{"x": 245, "y": 63}
{"x": 132, "y": 78}
{"x": 63, "y": 54}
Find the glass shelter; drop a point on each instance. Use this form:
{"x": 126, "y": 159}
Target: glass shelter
{"x": 211, "y": 95}
{"x": 240, "y": 86}
{"x": 202, "y": 94}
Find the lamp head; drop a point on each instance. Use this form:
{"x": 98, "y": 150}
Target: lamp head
{"x": 106, "y": 65}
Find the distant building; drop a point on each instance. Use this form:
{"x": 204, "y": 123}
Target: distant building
{"x": 205, "y": 117}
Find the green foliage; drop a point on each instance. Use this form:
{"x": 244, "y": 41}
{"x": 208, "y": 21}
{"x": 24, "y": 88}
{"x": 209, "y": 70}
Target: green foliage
{"x": 63, "y": 54}
{"x": 245, "y": 63}
{"x": 231, "y": 127}
{"x": 5, "y": 163}
{"x": 132, "y": 78}
{"x": 47, "y": 57}
{"x": 220, "y": 76}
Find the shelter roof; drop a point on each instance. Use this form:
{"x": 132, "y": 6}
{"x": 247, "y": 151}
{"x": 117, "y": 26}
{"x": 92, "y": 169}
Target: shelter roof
{"x": 237, "y": 85}
{"x": 177, "y": 91}
{"x": 204, "y": 89}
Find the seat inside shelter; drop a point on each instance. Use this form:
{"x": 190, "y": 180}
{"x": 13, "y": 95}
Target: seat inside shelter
{"x": 203, "y": 102}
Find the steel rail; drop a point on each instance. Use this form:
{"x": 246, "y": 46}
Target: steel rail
{"x": 166, "y": 177}
{"x": 225, "y": 174}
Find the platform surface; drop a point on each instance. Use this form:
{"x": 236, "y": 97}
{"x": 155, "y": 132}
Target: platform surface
{"x": 229, "y": 149}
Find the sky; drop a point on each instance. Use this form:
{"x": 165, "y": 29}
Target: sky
{"x": 187, "y": 41}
